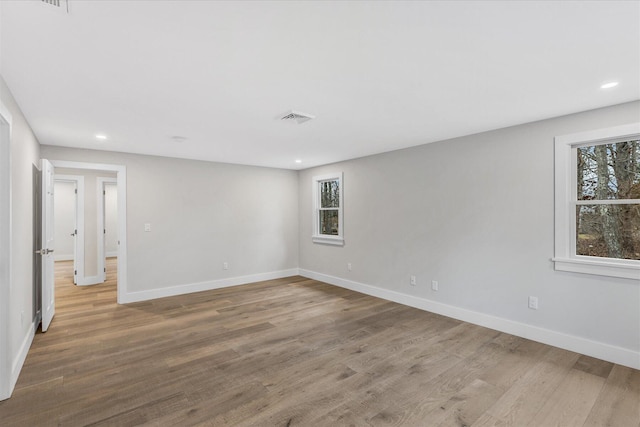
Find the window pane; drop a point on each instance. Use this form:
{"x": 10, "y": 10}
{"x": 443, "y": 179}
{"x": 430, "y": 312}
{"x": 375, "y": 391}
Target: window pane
{"x": 611, "y": 231}
{"x": 329, "y": 222}
{"x": 609, "y": 171}
{"x": 329, "y": 194}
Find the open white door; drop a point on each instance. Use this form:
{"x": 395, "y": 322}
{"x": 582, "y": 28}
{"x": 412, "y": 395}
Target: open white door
{"x": 75, "y": 235}
{"x": 48, "y": 281}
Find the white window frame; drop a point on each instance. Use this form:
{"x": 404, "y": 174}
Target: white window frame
{"x": 326, "y": 238}
{"x": 566, "y": 199}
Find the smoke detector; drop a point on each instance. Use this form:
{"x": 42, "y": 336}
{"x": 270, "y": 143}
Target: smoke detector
{"x": 297, "y": 116}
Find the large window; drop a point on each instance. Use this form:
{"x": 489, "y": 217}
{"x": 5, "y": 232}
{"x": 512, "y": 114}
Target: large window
{"x": 598, "y": 202}
{"x": 327, "y": 199}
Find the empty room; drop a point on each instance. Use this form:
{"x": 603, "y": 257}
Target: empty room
{"x": 319, "y": 213}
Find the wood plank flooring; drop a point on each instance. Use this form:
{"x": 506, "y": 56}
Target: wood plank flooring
{"x": 297, "y": 352}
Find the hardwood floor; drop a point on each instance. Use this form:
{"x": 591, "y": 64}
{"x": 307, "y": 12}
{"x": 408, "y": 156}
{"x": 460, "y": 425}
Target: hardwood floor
{"x": 297, "y": 352}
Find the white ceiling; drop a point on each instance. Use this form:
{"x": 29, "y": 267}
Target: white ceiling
{"x": 378, "y": 76}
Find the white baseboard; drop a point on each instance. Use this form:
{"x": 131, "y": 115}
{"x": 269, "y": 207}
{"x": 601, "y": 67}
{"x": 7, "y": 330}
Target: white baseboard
{"x": 130, "y": 297}
{"x": 63, "y": 257}
{"x": 619, "y": 355}
{"x": 16, "y": 366}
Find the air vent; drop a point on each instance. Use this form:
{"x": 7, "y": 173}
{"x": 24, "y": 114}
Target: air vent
{"x": 297, "y": 116}
{"x": 62, "y": 5}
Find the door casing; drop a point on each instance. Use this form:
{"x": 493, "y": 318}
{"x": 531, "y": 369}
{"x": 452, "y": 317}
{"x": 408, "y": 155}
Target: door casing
{"x": 7, "y": 383}
{"x": 121, "y": 178}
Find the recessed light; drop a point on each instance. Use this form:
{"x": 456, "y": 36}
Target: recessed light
{"x": 298, "y": 161}
{"x": 609, "y": 85}
{"x": 102, "y": 137}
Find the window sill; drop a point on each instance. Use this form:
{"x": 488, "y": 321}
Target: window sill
{"x": 328, "y": 240}
{"x": 598, "y": 267}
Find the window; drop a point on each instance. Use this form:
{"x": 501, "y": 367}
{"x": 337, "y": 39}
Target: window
{"x": 598, "y": 202}
{"x": 327, "y": 201}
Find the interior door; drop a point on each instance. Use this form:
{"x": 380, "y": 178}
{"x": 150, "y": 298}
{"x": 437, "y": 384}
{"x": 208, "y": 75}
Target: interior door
{"x": 75, "y": 234}
{"x": 48, "y": 281}
{"x": 104, "y": 233}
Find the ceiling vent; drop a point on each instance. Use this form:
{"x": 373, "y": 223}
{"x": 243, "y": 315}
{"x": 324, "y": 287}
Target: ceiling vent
{"x": 297, "y": 116}
{"x": 62, "y": 5}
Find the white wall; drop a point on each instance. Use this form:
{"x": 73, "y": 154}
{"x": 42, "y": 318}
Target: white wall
{"x": 476, "y": 214}
{"x": 25, "y": 153}
{"x": 202, "y": 214}
{"x": 111, "y": 219}
{"x": 64, "y": 211}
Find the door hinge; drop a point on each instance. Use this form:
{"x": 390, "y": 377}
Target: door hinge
{"x": 104, "y": 193}
{"x": 75, "y": 272}
{"x": 105, "y": 269}
{"x": 104, "y": 231}
{"x": 75, "y": 191}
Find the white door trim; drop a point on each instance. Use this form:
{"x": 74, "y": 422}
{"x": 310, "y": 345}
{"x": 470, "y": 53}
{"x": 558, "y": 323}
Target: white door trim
{"x": 121, "y": 176}
{"x": 78, "y": 261}
{"x": 100, "y": 184}
{"x": 6, "y": 383}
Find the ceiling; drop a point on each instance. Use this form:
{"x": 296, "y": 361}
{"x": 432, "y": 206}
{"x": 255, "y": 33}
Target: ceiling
{"x": 378, "y": 76}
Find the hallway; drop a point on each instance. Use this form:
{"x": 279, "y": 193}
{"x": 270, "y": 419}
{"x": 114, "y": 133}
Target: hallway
{"x": 78, "y": 301}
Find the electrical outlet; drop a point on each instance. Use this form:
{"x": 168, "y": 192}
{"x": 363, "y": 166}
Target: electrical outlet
{"x": 434, "y": 285}
{"x": 533, "y": 303}
{"x": 147, "y": 227}
{"x": 225, "y": 265}
{"x": 349, "y": 266}
{"x": 412, "y": 280}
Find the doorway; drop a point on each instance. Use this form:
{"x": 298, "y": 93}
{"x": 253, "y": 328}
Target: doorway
{"x": 69, "y": 223}
{"x": 37, "y": 241}
{"x": 107, "y": 222}
{"x": 119, "y": 176}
